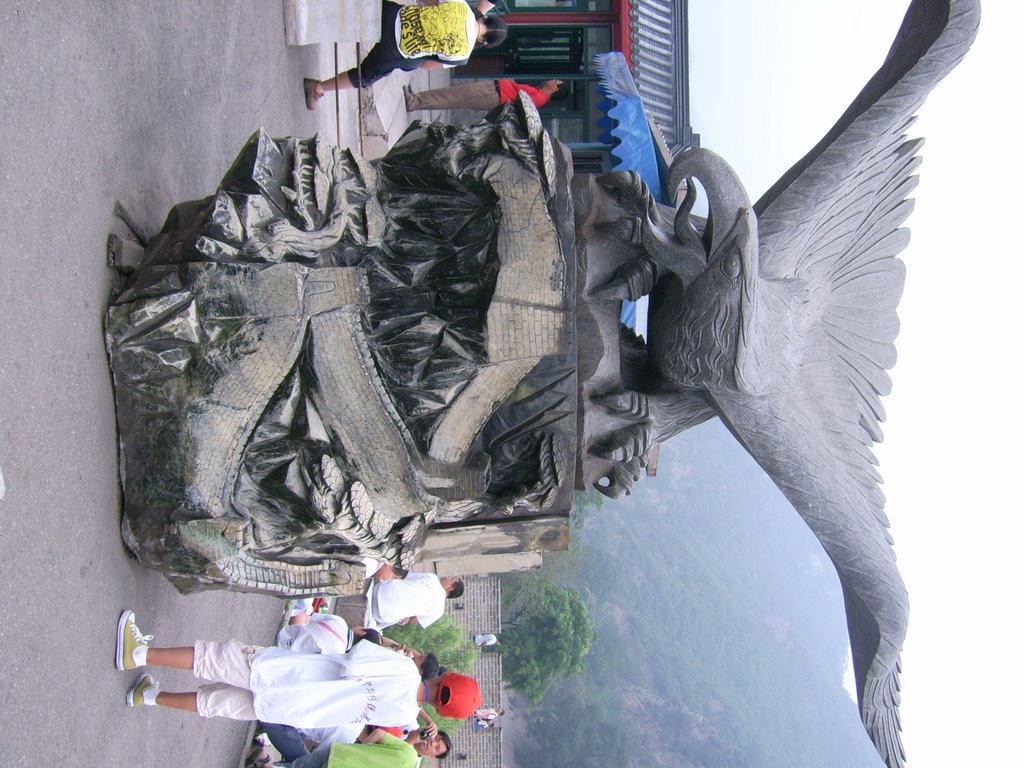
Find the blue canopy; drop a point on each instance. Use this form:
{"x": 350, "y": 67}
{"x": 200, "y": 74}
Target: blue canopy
{"x": 624, "y": 122}
{"x": 627, "y": 130}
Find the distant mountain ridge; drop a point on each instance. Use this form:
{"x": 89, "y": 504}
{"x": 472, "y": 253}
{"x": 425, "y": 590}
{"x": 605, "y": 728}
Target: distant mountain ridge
{"x": 721, "y": 634}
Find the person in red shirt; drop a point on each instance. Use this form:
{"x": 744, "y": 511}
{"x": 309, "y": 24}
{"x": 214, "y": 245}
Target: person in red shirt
{"x": 481, "y": 94}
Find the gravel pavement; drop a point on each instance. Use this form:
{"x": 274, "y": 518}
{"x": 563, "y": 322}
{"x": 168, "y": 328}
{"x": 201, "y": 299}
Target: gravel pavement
{"x": 147, "y": 103}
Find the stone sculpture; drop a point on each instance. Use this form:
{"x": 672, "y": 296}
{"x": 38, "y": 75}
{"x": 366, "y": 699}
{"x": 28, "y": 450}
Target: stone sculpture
{"x": 779, "y": 318}
{"x": 329, "y": 358}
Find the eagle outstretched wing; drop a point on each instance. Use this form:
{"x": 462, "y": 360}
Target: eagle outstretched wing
{"x": 818, "y": 339}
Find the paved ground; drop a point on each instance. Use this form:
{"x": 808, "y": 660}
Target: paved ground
{"x": 147, "y": 103}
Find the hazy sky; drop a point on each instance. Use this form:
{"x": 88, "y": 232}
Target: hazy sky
{"x": 769, "y": 77}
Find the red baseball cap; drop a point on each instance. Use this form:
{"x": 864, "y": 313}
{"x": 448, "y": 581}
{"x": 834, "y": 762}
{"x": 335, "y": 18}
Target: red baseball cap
{"x": 458, "y": 695}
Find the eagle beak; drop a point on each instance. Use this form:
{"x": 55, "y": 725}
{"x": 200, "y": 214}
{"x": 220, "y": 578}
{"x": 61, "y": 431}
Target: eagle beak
{"x": 727, "y": 199}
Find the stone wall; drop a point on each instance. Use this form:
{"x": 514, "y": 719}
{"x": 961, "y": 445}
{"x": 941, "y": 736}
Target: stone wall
{"x": 481, "y": 612}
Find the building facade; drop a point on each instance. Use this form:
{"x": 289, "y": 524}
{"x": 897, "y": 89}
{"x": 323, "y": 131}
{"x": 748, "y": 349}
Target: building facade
{"x": 559, "y": 39}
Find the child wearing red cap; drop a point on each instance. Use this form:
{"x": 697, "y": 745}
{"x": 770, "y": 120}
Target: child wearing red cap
{"x": 454, "y": 695}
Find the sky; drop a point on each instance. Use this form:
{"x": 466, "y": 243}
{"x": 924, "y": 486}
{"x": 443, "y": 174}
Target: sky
{"x": 768, "y": 78}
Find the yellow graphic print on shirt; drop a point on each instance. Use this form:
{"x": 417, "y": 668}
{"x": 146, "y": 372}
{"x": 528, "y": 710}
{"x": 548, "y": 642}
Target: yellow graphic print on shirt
{"x": 435, "y": 30}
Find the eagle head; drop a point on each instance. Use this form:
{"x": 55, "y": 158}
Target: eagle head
{"x": 698, "y": 328}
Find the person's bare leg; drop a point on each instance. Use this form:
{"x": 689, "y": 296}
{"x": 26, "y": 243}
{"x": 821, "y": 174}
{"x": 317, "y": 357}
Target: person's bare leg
{"x": 178, "y": 658}
{"x": 340, "y": 82}
{"x": 186, "y": 702}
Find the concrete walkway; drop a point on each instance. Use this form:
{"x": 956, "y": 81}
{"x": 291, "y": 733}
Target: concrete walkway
{"x": 147, "y": 103}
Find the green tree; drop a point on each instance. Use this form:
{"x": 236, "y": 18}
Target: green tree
{"x": 546, "y": 634}
{"x": 444, "y": 638}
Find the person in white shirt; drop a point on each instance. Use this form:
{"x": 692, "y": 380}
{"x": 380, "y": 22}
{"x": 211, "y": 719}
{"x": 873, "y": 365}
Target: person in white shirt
{"x": 419, "y": 597}
{"x": 308, "y": 632}
{"x": 489, "y": 714}
{"x": 319, "y": 633}
{"x": 305, "y": 634}
{"x": 370, "y": 683}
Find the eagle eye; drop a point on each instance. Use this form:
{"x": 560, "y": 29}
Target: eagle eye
{"x": 732, "y": 264}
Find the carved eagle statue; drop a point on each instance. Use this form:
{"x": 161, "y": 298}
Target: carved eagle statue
{"x": 780, "y": 318}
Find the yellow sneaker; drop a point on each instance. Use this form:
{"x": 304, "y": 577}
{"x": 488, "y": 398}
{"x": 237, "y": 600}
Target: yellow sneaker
{"x": 137, "y": 694}
{"x": 129, "y": 639}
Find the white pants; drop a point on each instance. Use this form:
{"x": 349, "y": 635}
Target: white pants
{"x": 228, "y": 666}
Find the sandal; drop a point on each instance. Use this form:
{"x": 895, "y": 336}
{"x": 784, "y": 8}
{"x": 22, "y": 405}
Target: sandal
{"x": 313, "y": 91}
{"x": 262, "y": 760}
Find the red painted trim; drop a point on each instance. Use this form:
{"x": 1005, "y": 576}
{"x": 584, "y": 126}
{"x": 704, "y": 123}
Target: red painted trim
{"x": 623, "y": 40}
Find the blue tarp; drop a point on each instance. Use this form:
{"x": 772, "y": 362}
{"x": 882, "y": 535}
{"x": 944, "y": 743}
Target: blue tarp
{"x": 624, "y": 122}
{"x": 627, "y": 130}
